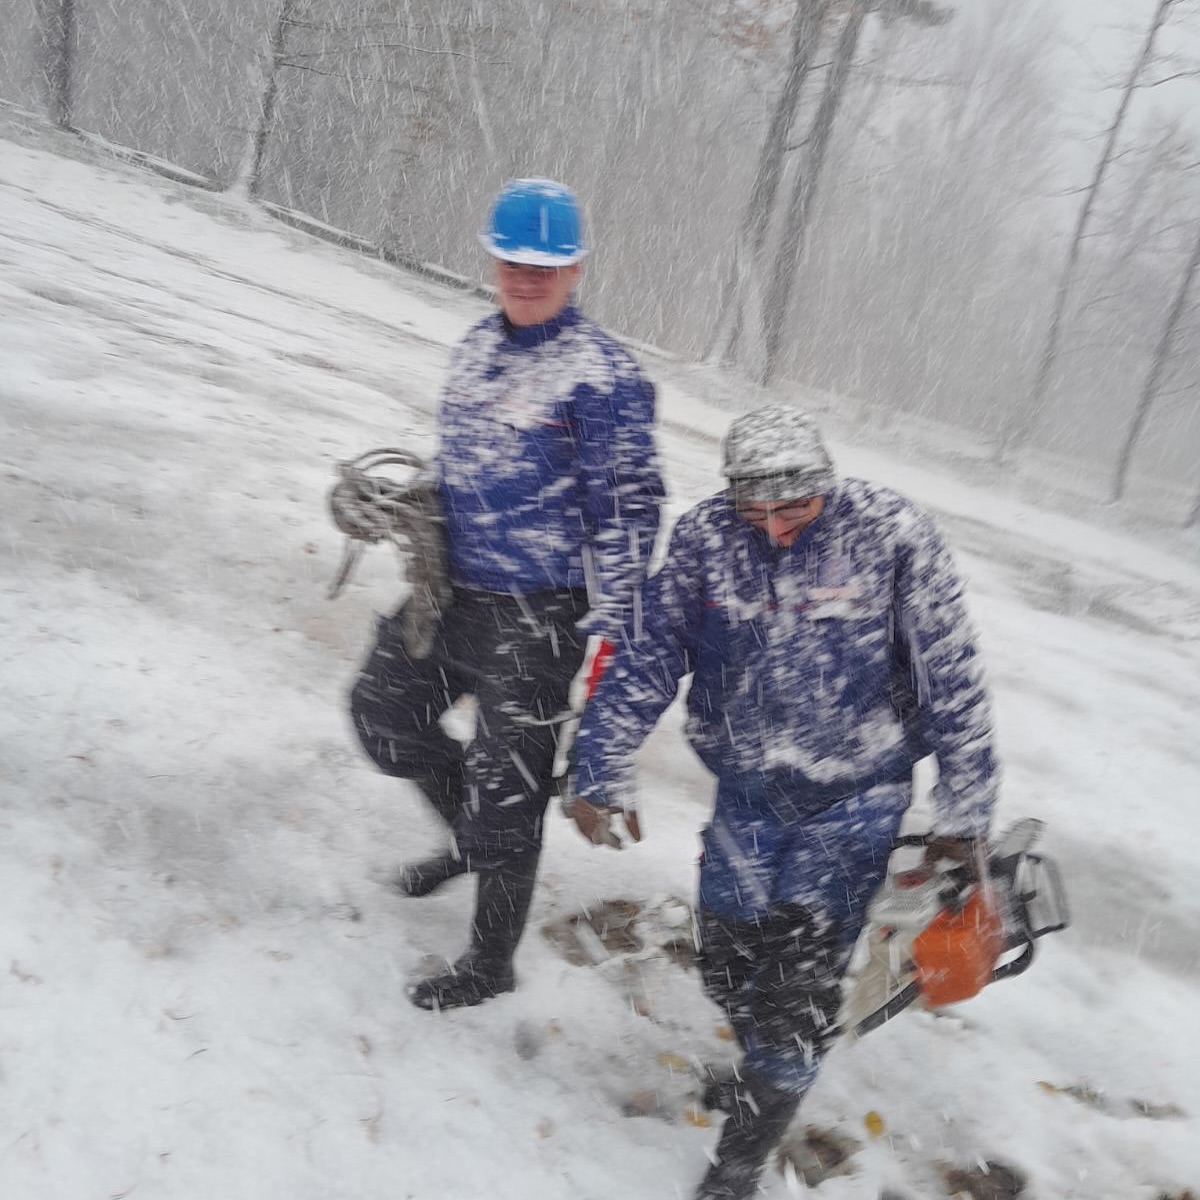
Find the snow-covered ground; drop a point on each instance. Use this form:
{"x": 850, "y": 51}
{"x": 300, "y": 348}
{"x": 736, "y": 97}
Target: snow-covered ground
{"x": 204, "y": 985}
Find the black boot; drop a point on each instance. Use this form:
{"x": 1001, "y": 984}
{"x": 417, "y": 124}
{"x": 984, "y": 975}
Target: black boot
{"x": 720, "y": 1088}
{"x": 419, "y": 879}
{"x": 443, "y": 788}
{"x": 759, "y": 1117}
{"x": 486, "y": 970}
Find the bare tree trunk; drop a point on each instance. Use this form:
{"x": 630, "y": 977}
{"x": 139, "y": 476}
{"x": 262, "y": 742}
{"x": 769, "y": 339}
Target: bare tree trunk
{"x": 804, "y": 191}
{"x": 1162, "y": 356}
{"x": 882, "y": 59}
{"x": 1134, "y": 225}
{"x": 249, "y": 174}
{"x": 807, "y": 23}
{"x": 56, "y": 25}
{"x": 1020, "y": 429}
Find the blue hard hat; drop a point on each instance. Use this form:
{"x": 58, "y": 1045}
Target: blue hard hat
{"x": 536, "y": 222}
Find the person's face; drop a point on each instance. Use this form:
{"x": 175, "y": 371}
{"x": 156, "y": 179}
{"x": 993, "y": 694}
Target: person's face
{"x": 783, "y": 521}
{"x": 534, "y": 295}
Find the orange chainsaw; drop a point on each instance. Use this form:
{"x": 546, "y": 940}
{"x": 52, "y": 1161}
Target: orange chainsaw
{"x": 937, "y": 934}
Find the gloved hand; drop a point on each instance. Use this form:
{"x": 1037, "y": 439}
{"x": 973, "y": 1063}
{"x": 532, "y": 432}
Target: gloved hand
{"x": 965, "y": 852}
{"x": 599, "y": 823}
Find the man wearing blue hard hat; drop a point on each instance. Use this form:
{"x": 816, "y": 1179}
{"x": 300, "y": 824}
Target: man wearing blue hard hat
{"x": 550, "y": 490}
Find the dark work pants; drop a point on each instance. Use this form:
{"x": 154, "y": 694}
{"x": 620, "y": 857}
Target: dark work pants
{"x": 782, "y": 902}
{"x": 517, "y": 655}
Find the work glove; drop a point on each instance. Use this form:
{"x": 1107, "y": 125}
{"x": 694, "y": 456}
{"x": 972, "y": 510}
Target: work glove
{"x": 601, "y": 824}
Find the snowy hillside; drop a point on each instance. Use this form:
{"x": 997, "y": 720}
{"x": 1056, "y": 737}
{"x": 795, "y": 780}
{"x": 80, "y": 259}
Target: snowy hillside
{"x": 203, "y": 970}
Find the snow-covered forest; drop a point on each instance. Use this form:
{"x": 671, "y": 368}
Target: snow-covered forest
{"x": 980, "y": 212}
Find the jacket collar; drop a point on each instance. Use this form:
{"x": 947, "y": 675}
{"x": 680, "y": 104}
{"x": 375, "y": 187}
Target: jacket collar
{"x": 526, "y": 336}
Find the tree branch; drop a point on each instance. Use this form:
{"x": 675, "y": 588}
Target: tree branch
{"x": 395, "y": 46}
{"x": 909, "y": 81}
{"x": 286, "y": 62}
{"x": 324, "y": 27}
{"x": 1153, "y": 83}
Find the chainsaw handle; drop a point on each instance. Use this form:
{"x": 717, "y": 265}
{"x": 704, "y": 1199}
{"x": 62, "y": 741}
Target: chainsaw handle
{"x": 1016, "y": 966}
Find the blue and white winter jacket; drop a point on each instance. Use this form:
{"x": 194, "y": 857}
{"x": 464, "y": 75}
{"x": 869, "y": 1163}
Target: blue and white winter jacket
{"x": 818, "y": 670}
{"x": 547, "y": 466}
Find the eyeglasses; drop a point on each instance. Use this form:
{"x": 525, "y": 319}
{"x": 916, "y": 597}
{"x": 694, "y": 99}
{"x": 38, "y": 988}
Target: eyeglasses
{"x": 787, "y": 510}
{"x": 514, "y": 268}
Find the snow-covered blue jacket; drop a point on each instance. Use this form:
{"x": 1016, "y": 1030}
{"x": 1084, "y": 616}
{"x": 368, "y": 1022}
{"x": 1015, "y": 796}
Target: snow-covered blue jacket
{"x": 818, "y": 670}
{"x": 547, "y": 466}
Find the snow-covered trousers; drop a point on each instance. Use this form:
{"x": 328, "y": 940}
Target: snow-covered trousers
{"x": 782, "y": 901}
{"x": 517, "y": 655}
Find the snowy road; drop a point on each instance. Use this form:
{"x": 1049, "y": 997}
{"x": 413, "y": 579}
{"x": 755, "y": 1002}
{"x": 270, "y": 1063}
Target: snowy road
{"x": 201, "y": 977}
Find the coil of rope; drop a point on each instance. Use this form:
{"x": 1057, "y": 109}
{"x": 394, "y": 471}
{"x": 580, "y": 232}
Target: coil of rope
{"x": 370, "y": 508}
